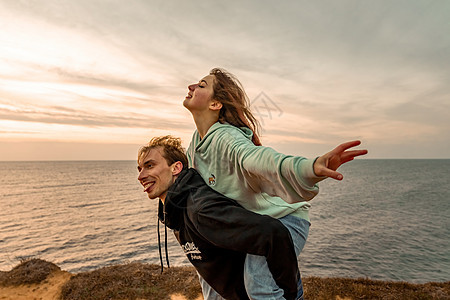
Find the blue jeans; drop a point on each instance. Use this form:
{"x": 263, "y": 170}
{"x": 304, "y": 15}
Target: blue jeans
{"x": 258, "y": 279}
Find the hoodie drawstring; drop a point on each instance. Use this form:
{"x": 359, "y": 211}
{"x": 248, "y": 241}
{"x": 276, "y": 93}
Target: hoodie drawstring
{"x": 165, "y": 246}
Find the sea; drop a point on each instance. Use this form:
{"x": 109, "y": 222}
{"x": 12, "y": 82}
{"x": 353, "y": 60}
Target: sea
{"x": 387, "y": 220}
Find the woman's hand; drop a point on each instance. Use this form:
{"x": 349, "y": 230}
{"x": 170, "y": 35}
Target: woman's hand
{"x": 327, "y": 164}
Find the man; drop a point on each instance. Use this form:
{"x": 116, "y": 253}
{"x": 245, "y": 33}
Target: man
{"x": 214, "y": 231}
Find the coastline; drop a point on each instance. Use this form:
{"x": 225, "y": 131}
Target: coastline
{"x": 39, "y": 279}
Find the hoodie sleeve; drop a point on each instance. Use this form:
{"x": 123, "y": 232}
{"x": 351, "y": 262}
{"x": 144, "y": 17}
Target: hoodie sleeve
{"x": 235, "y": 228}
{"x": 289, "y": 177}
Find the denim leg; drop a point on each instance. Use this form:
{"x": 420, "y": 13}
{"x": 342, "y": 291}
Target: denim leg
{"x": 258, "y": 278}
{"x": 208, "y": 292}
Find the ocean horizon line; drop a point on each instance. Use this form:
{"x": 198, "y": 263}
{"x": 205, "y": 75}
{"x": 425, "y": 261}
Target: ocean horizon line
{"x": 128, "y": 160}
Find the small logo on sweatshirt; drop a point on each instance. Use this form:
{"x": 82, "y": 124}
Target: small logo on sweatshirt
{"x": 212, "y": 180}
{"x": 192, "y": 251}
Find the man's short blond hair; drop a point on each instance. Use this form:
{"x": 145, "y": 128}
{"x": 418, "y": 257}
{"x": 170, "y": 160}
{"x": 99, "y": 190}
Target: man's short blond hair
{"x": 172, "y": 150}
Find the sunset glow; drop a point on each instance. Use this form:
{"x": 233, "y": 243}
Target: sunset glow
{"x": 112, "y": 75}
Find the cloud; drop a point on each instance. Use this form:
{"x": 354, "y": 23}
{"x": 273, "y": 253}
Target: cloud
{"x": 337, "y": 70}
{"x": 87, "y": 119}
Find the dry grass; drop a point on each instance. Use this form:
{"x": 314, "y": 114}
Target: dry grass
{"x": 345, "y": 288}
{"x": 133, "y": 281}
{"x": 143, "y": 281}
{"x": 28, "y": 272}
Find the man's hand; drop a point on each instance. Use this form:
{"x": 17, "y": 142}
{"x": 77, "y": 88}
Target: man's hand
{"x": 327, "y": 164}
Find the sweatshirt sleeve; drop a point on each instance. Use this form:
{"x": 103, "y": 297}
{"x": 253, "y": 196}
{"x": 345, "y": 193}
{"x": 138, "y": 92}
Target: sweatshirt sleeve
{"x": 235, "y": 228}
{"x": 289, "y": 177}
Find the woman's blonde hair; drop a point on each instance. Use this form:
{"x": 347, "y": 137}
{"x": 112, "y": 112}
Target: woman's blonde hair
{"x": 235, "y": 104}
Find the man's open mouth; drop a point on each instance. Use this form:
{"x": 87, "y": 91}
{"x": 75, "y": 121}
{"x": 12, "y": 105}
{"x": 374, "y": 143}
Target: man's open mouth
{"x": 148, "y": 186}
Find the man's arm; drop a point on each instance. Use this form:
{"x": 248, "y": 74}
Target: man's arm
{"x": 229, "y": 226}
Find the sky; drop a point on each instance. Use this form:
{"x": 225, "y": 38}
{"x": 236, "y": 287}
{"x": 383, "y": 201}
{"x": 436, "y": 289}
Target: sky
{"x": 95, "y": 80}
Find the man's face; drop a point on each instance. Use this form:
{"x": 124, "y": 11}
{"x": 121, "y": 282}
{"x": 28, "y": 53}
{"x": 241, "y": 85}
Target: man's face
{"x": 155, "y": 175}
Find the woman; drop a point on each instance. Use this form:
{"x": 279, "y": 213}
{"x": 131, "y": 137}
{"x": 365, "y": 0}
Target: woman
{"x": 226, "y": 151}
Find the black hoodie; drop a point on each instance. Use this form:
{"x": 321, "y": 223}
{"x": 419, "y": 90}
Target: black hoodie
{"x": 216, "y": 233}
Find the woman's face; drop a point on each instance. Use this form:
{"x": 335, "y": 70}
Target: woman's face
{"x": 200, "y": 94}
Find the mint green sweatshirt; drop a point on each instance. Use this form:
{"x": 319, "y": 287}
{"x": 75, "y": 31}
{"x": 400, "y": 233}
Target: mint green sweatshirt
{"x": 259, "y": 178}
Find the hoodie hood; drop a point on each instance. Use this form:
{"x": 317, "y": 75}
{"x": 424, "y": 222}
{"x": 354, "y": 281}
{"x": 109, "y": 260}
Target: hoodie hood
{"x": 171, "y": 212}
{"x": 217, "y": 127}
